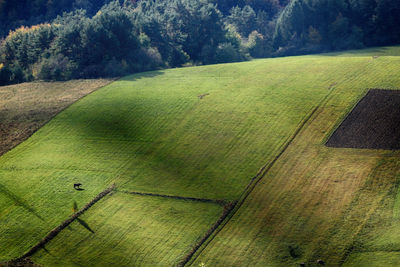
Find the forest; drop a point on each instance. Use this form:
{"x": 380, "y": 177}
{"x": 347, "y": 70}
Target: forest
{"x": 62, "y": 40}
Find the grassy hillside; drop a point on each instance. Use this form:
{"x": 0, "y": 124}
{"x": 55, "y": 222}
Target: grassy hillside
{"x": 318, "y": 202}
{"x": 131, "y": 231}
{"x": 152, "y": 133}
{"x": 26, "y": 107}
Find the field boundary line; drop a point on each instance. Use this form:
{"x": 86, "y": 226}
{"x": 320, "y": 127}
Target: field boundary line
{"x": 58, "y": 112}
{"x": 344, "y": 116}
{"x": 227, "y": 209}
{"x": 53, "y": 233}
{"x": 253, "y": 182}
{"x": 204, "y": 200}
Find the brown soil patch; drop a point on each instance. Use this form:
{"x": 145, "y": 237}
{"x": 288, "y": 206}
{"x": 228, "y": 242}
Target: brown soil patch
{"x": 24, "y": 108}
{"x": 27, "y": 262}
{"x": 374, "y": 123}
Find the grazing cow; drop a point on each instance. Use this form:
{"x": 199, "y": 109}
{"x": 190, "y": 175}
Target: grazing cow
{"x": 302, "y": 264}
{"x": 320, "y": 262}
{"x": 77, "y": 186}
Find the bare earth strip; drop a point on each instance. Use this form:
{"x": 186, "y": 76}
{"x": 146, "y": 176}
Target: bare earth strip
{"x": 24, "y": 108}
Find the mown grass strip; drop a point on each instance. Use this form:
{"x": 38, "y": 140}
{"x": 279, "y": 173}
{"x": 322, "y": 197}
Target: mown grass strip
{"x": 64, "y": 224}
{"x": 205, "y": 200}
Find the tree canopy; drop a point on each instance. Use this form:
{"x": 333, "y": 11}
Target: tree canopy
{"x": 59, "y": 40}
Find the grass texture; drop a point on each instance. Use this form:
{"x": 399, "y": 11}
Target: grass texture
{"x": 127, "y": 230}
{"x": 151, "y": 133}
{"x": 318, "y": 202}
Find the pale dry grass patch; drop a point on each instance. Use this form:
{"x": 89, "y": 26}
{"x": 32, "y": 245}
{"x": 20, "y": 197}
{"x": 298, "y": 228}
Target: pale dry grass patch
{"x": 26, "y": 107}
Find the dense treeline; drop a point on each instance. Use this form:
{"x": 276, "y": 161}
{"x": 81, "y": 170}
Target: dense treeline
{"x": 129, "y": 36}
{"x": 313, "y": 26}
{"x": 16, "y": 13}
{"x": 115, "y": 37}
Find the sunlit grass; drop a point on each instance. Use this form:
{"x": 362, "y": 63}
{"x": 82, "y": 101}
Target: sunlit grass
{"x": 127, "y": 230}
{"x": 318, "y": 202}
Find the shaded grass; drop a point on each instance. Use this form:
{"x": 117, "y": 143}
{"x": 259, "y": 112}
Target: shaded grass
{"x": 131, "y": 230}
{"x": 373, "y": 52}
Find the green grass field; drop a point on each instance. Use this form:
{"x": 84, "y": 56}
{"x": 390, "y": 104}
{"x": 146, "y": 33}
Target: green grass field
{"x": 318, "y": 202}
{"x": 26, "y": 107}
{"x": 131, "y": 231}
{"x": 151, "y": 133}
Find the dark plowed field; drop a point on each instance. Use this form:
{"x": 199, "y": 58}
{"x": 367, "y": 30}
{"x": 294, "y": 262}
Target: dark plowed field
{"x": 374, "y": 123}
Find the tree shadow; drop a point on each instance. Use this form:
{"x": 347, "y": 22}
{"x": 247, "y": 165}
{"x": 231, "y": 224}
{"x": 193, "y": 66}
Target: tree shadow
{"x": 138, "y": 76}
{"x": 19, "y": 201}
{"x": 85, "y": 224}
{"x": 372, "y": 51}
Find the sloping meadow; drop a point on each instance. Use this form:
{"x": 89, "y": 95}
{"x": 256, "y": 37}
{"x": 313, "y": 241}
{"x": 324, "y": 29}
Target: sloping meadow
{"x": 200, "y": 132}
{"x": 321, "y": 204}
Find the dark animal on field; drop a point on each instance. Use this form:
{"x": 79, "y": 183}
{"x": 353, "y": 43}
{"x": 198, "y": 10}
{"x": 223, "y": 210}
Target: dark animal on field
{"x": 77, "y": 186}
{"x": 302, "y": 264}
{"x": 203, "y": 95}
{"x": 332, "y": 85}
{"x": 320, "y": 262}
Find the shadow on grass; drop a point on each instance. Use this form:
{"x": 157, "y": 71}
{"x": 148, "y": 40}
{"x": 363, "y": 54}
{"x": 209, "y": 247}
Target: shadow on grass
{"x": 372, "y": 51}
{"x": 85, "y": 224}
{"x": 138, "y": 76}
{"x": 19, "y": 201}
